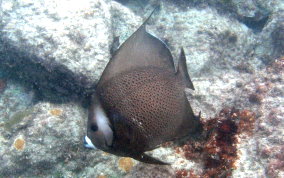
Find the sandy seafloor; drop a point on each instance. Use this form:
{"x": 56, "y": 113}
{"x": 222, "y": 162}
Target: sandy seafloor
{"x": 52, "y": 53}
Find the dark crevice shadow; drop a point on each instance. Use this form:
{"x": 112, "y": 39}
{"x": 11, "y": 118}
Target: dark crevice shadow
{"x": 256, "y": 24}
{"x": 51, "y": 82}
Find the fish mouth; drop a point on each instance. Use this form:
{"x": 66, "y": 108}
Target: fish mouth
{"x": 88, "y": 143}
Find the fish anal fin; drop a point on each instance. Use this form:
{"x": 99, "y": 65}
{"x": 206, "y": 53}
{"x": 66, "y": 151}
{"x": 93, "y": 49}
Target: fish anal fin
{"x": 149, "y": 159}
{"x": 182, "y": 70}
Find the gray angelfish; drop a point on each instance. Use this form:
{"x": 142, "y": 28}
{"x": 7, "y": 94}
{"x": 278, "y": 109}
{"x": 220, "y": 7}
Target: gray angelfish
{"x": 140, "y": 101}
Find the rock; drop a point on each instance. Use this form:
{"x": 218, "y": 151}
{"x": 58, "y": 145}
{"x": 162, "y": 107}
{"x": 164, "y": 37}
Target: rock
{"x": 69, "y": 37}
{"x": 48, "y": 142}
{"x": 277, "y": 37}
{"x": 68, "y": 46}
{"x": 151, "y": 171}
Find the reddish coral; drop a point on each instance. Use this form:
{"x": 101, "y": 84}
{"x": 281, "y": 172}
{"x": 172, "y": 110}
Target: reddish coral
{"x": 265, "y": 82}
{"x": 181, "y": 173}
{"x": 261, "y": 89}
{"x": 266, "y": 151}
{"x": 218, "y": 151}
{"x": 274, "y": 167}
{"x": 186, "y": 174}
{"x": 275, "y": 117}
{"x": 280, "y": 154}
{"x": 276, "y": 159}
{"x": 191, "y": 150}
{"x": 277, "y": 66}
{"x": 246, "y": 122}
{"x": 167, "y": 144}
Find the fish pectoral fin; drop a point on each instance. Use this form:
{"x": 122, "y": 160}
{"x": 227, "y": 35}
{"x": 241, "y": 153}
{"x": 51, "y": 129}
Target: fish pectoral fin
{"x": 149, "y": 159}
{"x": 182, "y": 70}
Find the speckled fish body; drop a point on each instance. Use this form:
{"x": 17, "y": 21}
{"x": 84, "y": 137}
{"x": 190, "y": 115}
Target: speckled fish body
{"x": 142, "y": 97}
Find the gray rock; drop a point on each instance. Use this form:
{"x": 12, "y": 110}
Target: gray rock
{"x": 76, "y": 37}
{"x": 52, "y": 137}
{"x": 151, "y": 171}
{"x": 69, "y": 46}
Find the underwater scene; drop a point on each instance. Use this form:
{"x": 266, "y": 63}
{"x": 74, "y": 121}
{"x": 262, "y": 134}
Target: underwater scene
{"x": 142, "y": 88}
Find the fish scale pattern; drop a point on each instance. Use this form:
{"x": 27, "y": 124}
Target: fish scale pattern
{"x": 151, "y": 100}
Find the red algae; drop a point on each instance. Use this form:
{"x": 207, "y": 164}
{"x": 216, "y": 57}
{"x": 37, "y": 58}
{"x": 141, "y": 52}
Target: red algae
{"x": 274, "y": 166}
{"x": 218, "y": 150}
{"x": 246, "y": 122}
{"x": 275, "y": 163}
{"x": 167, "y": 144}
{"x": 186, "y": 174}
{"x": 277, "y": 66}
{"x": 181, "y": 173}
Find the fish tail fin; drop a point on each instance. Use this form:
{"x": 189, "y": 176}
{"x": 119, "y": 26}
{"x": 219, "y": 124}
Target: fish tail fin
{"x": 182, "y": 70}
{"x": 195, "y": 120}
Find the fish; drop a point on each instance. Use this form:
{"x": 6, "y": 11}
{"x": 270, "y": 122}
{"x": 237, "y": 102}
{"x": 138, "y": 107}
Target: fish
{"x": 140, "y": 101}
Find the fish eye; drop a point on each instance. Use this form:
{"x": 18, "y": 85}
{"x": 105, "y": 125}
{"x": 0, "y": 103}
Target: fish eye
{"x": 94, "y": 127}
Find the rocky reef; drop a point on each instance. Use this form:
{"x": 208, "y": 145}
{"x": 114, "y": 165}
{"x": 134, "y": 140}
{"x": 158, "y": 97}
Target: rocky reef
{"x": 52, "y": 53}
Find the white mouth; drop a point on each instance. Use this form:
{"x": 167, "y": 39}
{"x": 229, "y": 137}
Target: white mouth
{"x": 88, "y": 143}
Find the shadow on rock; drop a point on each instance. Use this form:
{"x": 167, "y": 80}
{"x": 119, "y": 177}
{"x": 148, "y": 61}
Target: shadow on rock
{"x": 51, "y": 81}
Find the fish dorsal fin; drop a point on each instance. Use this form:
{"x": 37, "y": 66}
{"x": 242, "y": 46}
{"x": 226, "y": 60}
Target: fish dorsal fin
{"x": 182, "y": 70}
{"x": 141, "y": 49}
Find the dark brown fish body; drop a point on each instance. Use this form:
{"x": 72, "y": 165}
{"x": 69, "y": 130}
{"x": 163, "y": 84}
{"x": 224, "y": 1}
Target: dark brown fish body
{"x": 143, "y": 97}
{"x": 153, "y": 106}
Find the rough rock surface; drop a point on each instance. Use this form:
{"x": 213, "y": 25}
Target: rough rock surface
{"x": 59, "y": 35}
{"x": 50, "y": 50}
{"x": 68, "y": 46}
